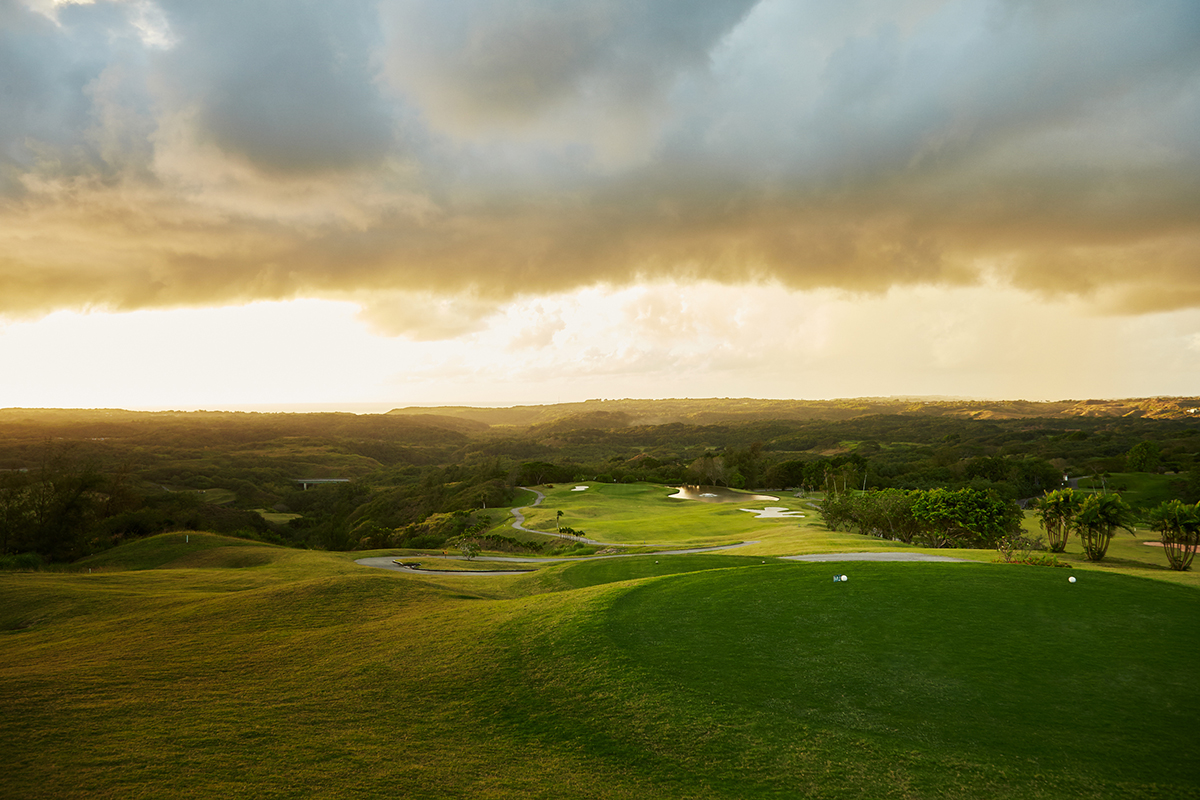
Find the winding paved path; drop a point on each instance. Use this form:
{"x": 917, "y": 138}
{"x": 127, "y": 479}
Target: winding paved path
{"x": 520, "y": 523}
{"x": 389, "y": 562}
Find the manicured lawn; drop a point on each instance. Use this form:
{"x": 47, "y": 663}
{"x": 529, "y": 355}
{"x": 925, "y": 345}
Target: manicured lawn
{"x": 1142, "y": 489}
{"x": 215, "y": 667}
{"x": 1013, "y": 674}
{"x": 637, "y": 513}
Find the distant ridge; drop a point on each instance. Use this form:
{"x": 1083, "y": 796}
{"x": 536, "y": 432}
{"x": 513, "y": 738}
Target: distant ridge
{"x": 718, "y": 410}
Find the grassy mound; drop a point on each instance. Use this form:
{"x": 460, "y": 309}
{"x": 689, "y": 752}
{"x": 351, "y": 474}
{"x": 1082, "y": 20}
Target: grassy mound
{"x": 700, "y": 676}
{"x": 614, "y": 570}
{"x": 190, "y": 549}
{"x": 910, "y": 680}
{"x": 1011, "y": 674}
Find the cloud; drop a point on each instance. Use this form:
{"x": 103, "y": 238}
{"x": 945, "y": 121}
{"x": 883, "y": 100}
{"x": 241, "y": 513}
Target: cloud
{"x": 201, "y": 153}
{"x": 546, "y": 65}
{"x": 288, "y": 87}
{"x": 424, "y": 316}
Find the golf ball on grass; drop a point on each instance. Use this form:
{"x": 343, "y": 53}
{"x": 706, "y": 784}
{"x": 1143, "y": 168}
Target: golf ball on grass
{"x": 1071, "y": 579}
{"x": 845, "y": 577}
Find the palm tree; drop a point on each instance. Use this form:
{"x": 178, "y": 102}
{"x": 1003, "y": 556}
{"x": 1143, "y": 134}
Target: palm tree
{"x": 558, "y": 521}
{"x": 1097, "y": 520}
{"x": 1057, "y": 510}
{"x": 1179, "y": 526}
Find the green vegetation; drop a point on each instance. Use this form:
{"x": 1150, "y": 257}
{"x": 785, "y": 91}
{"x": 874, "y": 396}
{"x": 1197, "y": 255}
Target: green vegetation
{"x": 138, "y": 663}
{"x": 1098, "y": 519}
{"x": 1057, "y": 512}
{"x": 642, "y": 513}
{"x": 1179, "y": 527}
{"x": 934, "y": 517}
{"x": 78, "y": 482}
{"x": 1138, "y": 489}
{"x": 195, "y": 665}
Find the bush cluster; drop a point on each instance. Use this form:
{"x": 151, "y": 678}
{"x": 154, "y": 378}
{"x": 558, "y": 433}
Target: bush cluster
{"x": 933, "y": 517}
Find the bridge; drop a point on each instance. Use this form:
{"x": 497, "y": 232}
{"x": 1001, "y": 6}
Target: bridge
{"x": 307, "y": 482}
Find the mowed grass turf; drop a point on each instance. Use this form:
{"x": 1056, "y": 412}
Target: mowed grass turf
{"x": 644, "y": 513}
{"x": 303, "y": 675}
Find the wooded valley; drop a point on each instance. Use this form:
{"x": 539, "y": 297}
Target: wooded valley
{"x": 73, "y": 482}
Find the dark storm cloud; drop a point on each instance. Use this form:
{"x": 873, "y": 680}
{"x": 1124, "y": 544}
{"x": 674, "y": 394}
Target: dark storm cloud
{"x": 288, "y": 86}
{"x": 211, "y": 152}
{"x": 481, "y": 61}
{"x": 47, "y": 74}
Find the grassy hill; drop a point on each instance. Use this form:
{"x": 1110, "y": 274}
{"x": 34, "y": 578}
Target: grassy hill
{"x": 193, "y": 665}
{"x": 616, "y": 413}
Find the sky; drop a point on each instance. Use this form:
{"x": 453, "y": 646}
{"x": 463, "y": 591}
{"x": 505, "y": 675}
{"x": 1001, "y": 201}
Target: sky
{"x": 372, "y": 204}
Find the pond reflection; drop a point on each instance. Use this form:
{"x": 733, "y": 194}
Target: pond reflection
{"x": 718, "y": 494}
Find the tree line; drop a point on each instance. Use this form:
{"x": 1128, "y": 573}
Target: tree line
{"x": 71, "y": 483}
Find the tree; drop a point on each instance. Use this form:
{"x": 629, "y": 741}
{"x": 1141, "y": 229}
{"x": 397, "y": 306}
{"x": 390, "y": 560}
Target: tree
{"x": 15, "y": 510}
{"x": 1143, "y": 457}
{"x": 469, "y": 547}
{"x": 1057, "y": 511}
{"x": 709, "y": 469}
{"x": 558, "y": 521}
{"x": 967, "y": 516}
{"x": 836, "y": 509}
{"x": 1098, "y": 518}
{"x": 896, "y": 510}
{"x": 1179, "y": 526}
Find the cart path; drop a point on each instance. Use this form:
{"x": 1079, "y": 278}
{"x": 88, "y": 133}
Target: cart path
{"x": 520, "y": 523}
{"x": 389, "y": 562}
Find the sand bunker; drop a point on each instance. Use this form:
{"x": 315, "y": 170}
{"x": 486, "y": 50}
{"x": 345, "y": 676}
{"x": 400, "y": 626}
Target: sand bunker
{"x": 719, "y": 494}
{"x": 772, "y": 512}
{"x": 579, "y": 489}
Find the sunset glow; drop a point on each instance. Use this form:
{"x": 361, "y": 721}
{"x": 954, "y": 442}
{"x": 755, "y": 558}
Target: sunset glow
{"x": 403, "y": 202}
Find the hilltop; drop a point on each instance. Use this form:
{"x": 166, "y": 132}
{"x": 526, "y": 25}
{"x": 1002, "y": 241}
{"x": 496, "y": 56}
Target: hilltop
{"x": 629, "y": 412}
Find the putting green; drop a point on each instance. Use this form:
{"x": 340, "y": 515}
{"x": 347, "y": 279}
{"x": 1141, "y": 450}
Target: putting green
{"x": 997, "y": 665}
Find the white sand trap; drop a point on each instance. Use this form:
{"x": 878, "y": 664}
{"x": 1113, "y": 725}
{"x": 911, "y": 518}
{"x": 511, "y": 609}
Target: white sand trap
{"x": 579, "y": 489}
{"x": 772, "y": 512}
{"x": 719, "y": 494}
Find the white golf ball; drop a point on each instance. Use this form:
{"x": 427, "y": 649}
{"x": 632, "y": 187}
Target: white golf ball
{"x": 845, "y": 577}
{"x": 1071, "y": 579}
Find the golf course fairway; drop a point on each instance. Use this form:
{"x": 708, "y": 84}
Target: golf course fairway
{"x": 225, "y": 668}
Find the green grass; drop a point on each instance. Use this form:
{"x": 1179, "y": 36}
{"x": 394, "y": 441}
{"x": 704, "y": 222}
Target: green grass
{"x": 215, "y": 497}
{"x": 1139, "y": 489}
{"x": 217, "y": 667}
{"x": 277, "y": 517}
{"x": 643, "y": 513}
{"x": 1011, "y": 673}
{"x": 185, "y": 549}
